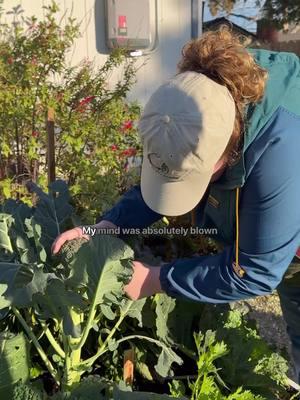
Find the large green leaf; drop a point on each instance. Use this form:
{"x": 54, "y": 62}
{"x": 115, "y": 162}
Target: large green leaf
{"x": 165, "y": 360}
{"x": 52, "y": 211}
{"x": 91, "y": 388}
{"x": 25, "y": 250}
{"x": 34, "y": 231}
{"x": 8, "y": 273}
{"x": 3, "y": 301}
{"x": 5, "y": 242}
{"x": 18, "y": 210}
{"x": 14, "y": 363}
{"x": 164, "y": 306}
{"x": 56, "y": 302}
{"x": 21, "y": 282}
{"x": 17, "y": 233}
{"x": 171, "y": 313}
{"x": 135, "y": 310}
{"x": 101, "y": 267}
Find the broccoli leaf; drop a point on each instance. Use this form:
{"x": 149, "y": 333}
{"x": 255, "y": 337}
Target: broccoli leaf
{"x": 34, "y": 231}
{"x": 52, "y": 211}
{"x": 102, "y": 266}
{"x": 56, "y": 302}
{"x": 14, "y": 362}
{"x": 22, "y": 282}
{"x": 164, "y": 306}
{"x": 165, "y": 360}
{"x": 169, "y": 314}
{"x": 15, "y": 232}
{"x": 135, "y": 311}
{"x": 5, "y": 242}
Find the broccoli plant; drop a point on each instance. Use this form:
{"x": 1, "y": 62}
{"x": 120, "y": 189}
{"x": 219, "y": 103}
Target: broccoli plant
{"x": 70, "y": 300}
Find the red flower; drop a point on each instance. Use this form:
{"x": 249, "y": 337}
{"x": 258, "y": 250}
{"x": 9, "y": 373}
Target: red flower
{"x": 84, "y": 102}
{"x": 127, "y": 125}
{"x": 131, "y": 152}
{"x": 10, "y": 60}
{"x": 35, "y": 133}
{"x": 114, "y": 147}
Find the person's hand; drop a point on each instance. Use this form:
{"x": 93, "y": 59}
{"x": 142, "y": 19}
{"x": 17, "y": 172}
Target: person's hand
{"x": 76, "y": 233}
{"x": 145, "y": 281}
{"x": 71, "y": 234}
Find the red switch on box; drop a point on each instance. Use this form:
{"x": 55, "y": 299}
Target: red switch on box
{"x": 122, "y": 28}
{"x": 122, "y": 21}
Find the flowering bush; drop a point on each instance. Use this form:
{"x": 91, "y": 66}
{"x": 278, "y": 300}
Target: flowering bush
{"x": 95, "y": 130}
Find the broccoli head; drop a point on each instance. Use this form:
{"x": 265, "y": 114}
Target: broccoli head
{"x": 70, "y": 248}
{"x": 26, "y": 392}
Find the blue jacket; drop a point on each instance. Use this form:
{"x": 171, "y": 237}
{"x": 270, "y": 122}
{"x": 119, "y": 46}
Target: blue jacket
{"x": 268, "y": 175}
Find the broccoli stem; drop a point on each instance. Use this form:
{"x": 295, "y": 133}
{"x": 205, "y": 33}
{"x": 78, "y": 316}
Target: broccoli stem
{"x": 39, "y": 348}
{"x": 72, "y": 357}
{"x": 87, "y": 328}
{"x": 52, "y": 341}
{"x": 102, "y": 348}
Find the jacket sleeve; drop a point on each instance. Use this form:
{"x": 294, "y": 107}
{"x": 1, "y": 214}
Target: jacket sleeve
{"x": 269, "y": 232}
{"x": 131, "y": 211}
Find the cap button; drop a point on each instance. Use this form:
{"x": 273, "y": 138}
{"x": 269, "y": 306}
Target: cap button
{"x": 166, "y": 119}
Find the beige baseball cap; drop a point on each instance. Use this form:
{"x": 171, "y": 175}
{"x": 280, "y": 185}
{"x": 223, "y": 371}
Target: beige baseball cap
{"x": 185, "y": 128}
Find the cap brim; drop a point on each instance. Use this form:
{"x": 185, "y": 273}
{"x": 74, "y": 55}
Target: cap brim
{"x": 169, "y": 197}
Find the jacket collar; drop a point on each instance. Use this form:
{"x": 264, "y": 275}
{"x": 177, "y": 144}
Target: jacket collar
{"x": 283, "y": 69}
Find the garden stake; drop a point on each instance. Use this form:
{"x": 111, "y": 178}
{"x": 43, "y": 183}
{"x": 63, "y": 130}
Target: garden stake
{"x": 128, "y": 368}
{"x": 50, "y": 146}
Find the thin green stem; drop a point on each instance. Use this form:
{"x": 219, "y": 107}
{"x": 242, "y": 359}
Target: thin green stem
{"x": 187, "y": 352}
{"x": 123, "y": 339}
{"x": 67, "y": 360}
{"x": 102, "y": 348}
{"x": 39, "y": 348}
{"x": 52, "y": 341}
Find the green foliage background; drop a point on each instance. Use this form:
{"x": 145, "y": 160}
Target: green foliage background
{"x": 95, "y": 130}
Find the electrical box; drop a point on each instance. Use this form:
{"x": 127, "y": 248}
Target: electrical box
{"x": 131, "y": 24}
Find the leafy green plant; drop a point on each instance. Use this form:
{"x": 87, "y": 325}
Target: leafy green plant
{"x": 259, "y": 369}
{"x": 95, "y": 132}
{"x": 77, "y": 319}
{"x": 66, "y": 302}
{"x": 207, "y": 385}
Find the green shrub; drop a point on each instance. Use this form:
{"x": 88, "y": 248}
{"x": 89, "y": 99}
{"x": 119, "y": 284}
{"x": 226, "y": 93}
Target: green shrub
{"x": 95, "y": 130}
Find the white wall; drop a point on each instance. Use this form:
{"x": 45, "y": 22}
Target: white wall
{"x": 286, "y": 37}
{"x": 174, "y": 29}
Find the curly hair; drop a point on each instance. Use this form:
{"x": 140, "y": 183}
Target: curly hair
{"x": 222, "y": 56}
